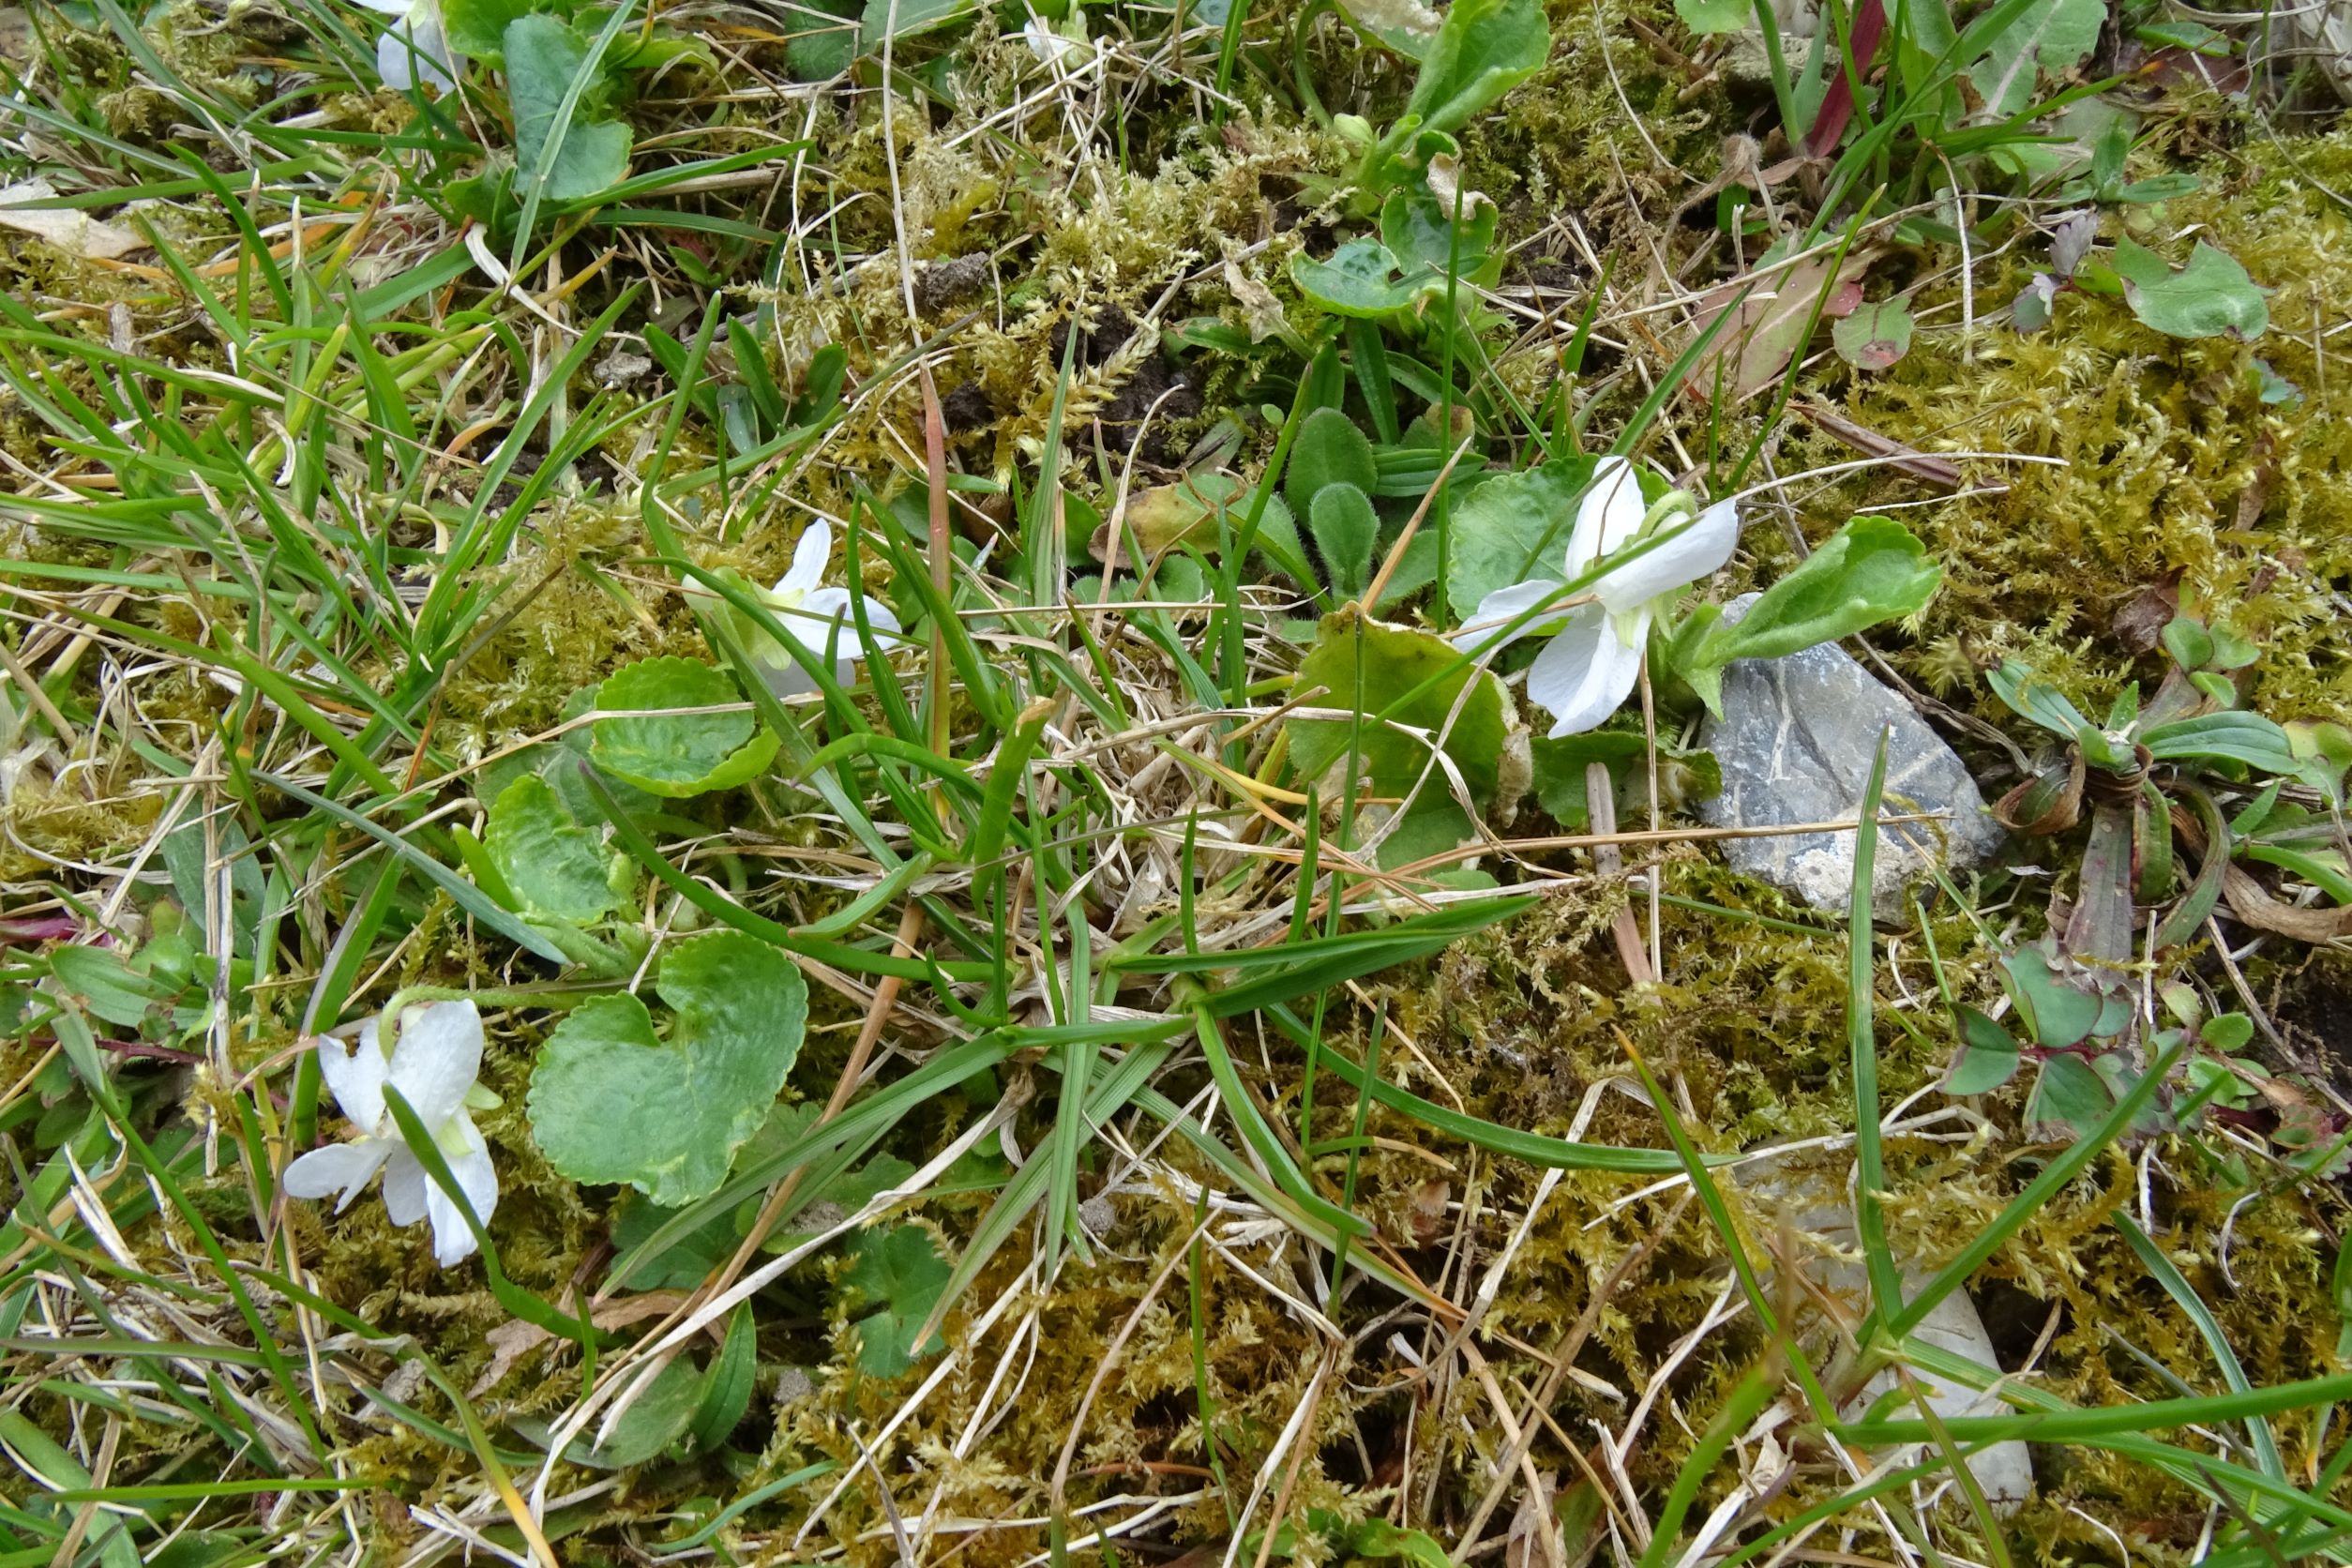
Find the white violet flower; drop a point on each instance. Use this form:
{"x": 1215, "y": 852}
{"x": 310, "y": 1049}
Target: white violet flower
{"x": 814, "y": 615}
{"x": 1051, "y": 43}
{"x": 432, "y": 1065}
{"x": 415, "y": 47}
{"x": 1593, "y": 659}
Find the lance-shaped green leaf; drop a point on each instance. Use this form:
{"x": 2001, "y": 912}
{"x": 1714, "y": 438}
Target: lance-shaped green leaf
{"x": 1346, "y": 532}
{"x": 1869, "y": 571}
{"x": 2236, "y": 736}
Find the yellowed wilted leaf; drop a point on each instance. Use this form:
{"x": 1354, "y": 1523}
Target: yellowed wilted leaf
{"x": 1167, "y": 514}
{"x": 77, "y": 233}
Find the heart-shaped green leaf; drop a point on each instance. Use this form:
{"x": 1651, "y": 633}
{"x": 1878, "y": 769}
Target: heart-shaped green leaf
{"x": 555, "y": 866}
{"x": 1360, "y": 279}
{"x": 1419, "y": 234}
{"x": 611, "y": 1101}
{"x": 671, "y": 753}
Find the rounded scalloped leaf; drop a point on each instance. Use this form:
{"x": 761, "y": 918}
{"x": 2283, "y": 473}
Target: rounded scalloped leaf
{"x": 677, "y": 753}
{"x": 612, "y": 1101}
{"x": 1513, "y": 527}
{"x": 556, "y": 865}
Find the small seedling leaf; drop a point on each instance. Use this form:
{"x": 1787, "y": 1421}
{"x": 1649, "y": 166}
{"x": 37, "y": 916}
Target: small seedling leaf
{"x": 2030, "y": 696}
{"x": 2058, "y": 1014}
{"x": 1876, "y": 335}
{"x": 657, "y": 1418}
{"x": 2209, "y": 297}
{"x": 899, "y": 1275}
{"x": 2069, "y": 1095}
{"x": 1987, "y": 1057}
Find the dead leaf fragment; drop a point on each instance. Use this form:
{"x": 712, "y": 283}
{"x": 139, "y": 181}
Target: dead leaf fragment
{"x": 514, "y": 1339}
{"x": 2140, "y": 624}
{"x": 1768, "y": 328}
{"x": 1940, "y": 472}
{"x": 76, "y": 233}
{"x": 1259, "y": 307}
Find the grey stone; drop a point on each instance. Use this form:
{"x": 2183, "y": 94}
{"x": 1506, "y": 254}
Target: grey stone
{"x": 1796, "y": 742}
{"x": 1814, "y": 1210}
